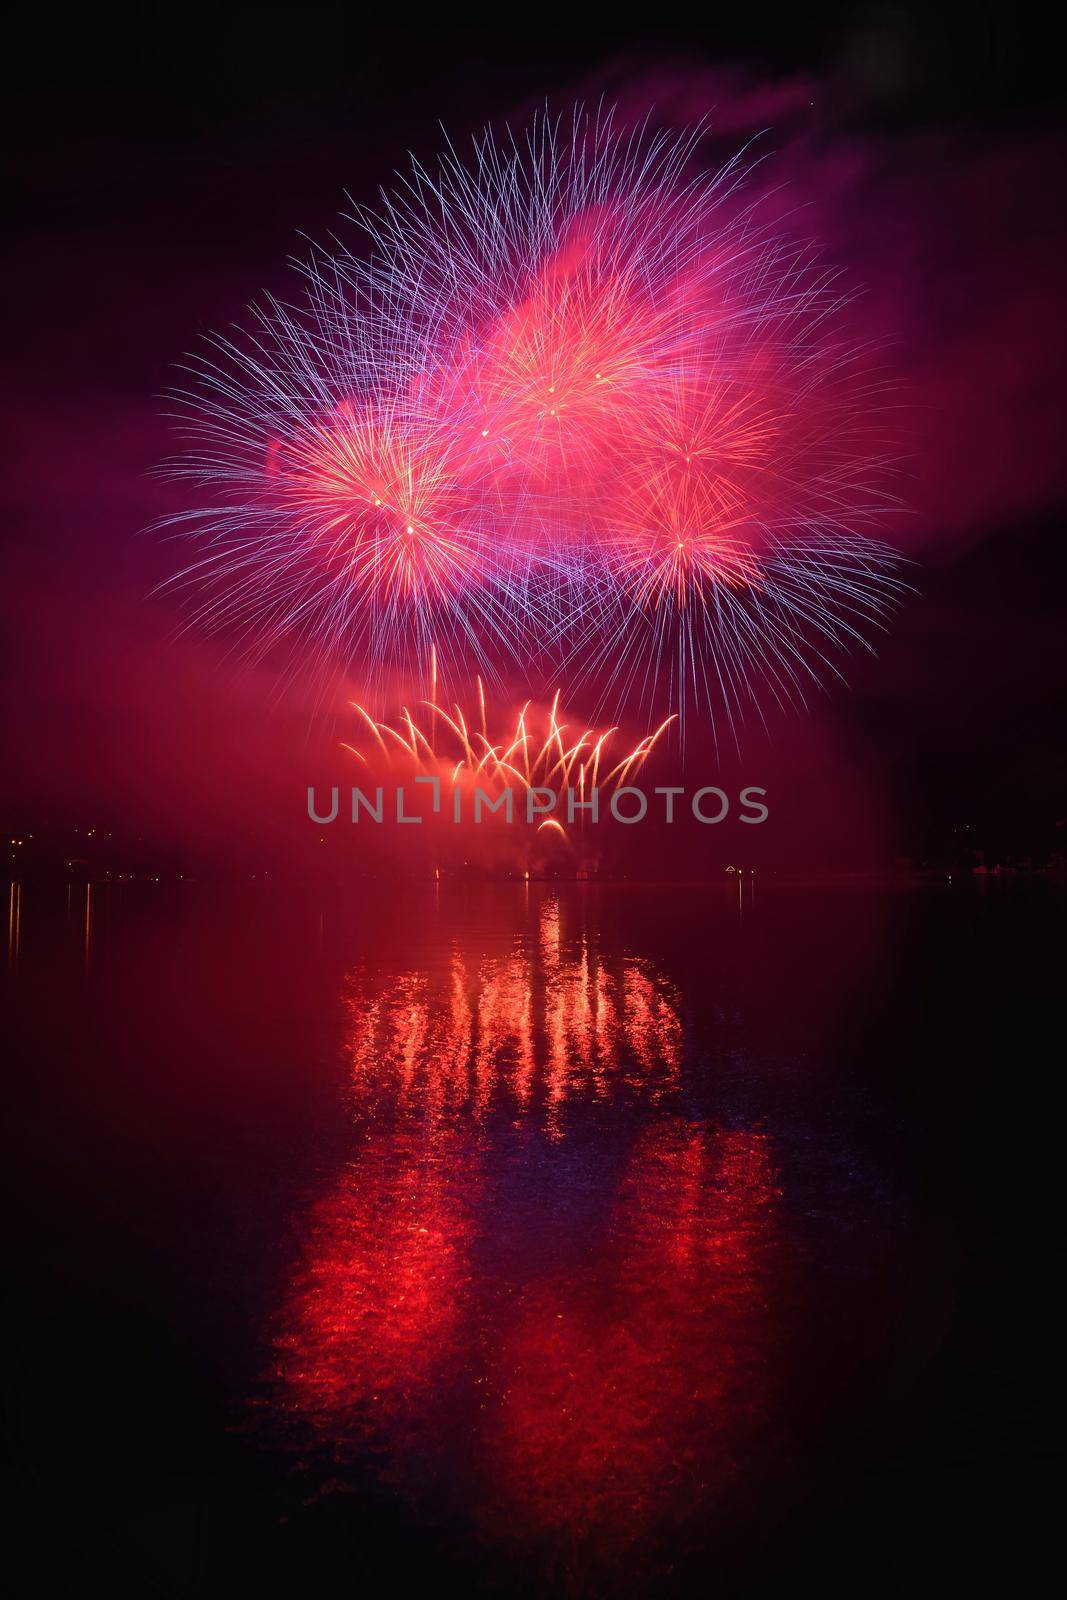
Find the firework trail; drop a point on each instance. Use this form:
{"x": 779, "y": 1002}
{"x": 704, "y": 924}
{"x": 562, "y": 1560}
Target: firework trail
{"x": 573, "y": 404}
{"x": 541, "y": 749}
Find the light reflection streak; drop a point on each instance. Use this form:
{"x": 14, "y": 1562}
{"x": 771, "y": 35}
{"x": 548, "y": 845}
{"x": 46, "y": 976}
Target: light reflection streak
{"x": 623, "y": 1388}
{"x": 581, "y": 1373}
{"x": 374, "y": 1308}
{"x": 14, "y": 921}
{"x": 550, "y": 1021}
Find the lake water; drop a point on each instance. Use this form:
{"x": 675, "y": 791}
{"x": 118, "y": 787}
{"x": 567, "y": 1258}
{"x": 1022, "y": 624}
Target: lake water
{"x": 584, "y": 1239}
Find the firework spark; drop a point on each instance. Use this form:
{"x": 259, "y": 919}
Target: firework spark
{"x": 573, "y": 404}
{"x": 541, "y": 749}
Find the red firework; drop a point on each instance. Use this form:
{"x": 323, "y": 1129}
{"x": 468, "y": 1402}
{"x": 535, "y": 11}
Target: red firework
{"x": 579, "y": 395}
{"x": 383, "y": 503}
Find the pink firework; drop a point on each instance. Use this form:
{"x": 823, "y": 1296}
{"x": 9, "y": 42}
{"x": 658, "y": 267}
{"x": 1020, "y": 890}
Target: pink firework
{"x": 573, "y": 405}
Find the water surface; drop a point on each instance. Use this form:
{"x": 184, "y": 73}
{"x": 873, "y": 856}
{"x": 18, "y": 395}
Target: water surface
{"x": 577, "y": 1239}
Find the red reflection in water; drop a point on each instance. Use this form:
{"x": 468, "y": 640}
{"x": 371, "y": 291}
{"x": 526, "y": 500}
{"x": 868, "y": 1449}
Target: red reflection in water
{"x": 374, "y": 1308}
{"x": 580, "y": 1405}
{"x": 626, "y": 1385}
{"x": 550, "y": 1022}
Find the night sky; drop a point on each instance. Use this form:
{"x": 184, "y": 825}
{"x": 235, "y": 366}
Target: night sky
{"x": 159, "y": 181}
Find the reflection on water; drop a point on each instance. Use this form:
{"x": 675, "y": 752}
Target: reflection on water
{"x": 623, "y": 1387}
{"x": 536, "y": 1240}
{"x": 540, "y": 1025}
{"x": 14, "y": 921}
{"x": 376, "y": 1305}
{"x": 579, "y": 1346}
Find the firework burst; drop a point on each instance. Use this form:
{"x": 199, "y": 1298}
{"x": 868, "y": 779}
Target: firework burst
{"x": 472, "y": 746}
{"x": 573, "y": 404}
